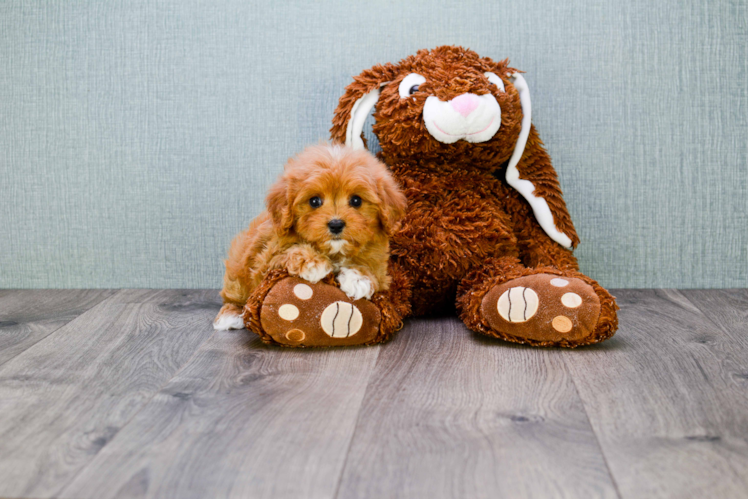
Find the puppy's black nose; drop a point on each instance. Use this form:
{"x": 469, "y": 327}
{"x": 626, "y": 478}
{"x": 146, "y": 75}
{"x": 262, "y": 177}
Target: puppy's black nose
{"x": 336, "y": 226}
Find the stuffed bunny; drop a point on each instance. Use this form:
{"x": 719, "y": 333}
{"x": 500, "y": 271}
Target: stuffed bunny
{"x": 486, "y": 233}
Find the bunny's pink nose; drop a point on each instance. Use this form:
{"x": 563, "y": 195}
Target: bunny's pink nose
{"x": 465, "y": 103}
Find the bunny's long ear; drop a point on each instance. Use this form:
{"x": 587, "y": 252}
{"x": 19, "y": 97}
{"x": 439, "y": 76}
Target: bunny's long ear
{"x": 355, "y": 105}
{"x": 538, "y": 183}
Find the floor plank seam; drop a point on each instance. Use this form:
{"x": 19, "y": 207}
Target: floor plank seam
{"x": 728, "y": 332}
{"x": 594, "y": 432}
{"x": 49, "y": 334}
{"x": 142, "y": 407}
{"x": 706, "y": 316}
{"x": 61, "y": 326}
{"x": 356, "y": 427}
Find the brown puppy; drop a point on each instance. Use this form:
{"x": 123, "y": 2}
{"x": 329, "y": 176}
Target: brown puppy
{"x": 332, "y": 210}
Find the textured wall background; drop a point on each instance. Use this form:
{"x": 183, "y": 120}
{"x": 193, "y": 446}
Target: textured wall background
{"x": 136, "y": 138}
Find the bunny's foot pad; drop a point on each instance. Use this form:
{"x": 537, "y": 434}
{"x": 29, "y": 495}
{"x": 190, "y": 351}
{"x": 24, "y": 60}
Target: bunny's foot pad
{"x": 296, "y": 313}
{"x": 543, "y": 308}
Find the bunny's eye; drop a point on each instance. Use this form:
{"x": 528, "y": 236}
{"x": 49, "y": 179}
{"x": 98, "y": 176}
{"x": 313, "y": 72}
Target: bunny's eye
{"x": 355, "y": 201}
{"x": 315, "y": 202}
{"x": 494, "y": 78}
{"x": 410, "y": 84}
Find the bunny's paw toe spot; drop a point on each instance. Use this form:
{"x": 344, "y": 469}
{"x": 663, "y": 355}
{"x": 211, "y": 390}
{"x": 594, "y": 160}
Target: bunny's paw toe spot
{"x": 571, "y": 300}
{"x": 302, "y": 291}
{"x": 562, "y": 324}
{"x": 289, "y": 312}
{"x": 295, "y": 335}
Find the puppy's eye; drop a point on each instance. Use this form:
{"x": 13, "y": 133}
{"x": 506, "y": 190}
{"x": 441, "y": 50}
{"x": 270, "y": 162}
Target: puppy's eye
{"x": 315, "y": 202}
{"x": 355, "y": 201}
{"x": 410, "y": 85}
{"x": 494, "y": 78}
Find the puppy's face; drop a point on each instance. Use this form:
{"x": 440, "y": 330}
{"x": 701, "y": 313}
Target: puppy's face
{"x": 337, "y": 199}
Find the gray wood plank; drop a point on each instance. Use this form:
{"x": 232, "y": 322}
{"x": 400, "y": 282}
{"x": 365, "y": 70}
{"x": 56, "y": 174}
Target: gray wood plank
{"x": 241, "y": 420}
{"x": 158, "y": 295}
{"x": 67, "y": 396}
{"x": 27, "y": 316}
{"x": 450, "y": 413}
{"x": 728, "y": 309}
{"x": 667, "y": 400}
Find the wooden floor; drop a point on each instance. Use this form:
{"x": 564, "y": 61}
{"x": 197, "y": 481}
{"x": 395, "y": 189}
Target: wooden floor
{"x": 131, "y": 393}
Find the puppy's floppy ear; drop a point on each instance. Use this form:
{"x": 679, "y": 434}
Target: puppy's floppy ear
{"x": 392, "y": 203}
{"x": 279, "y": 204}
{"x": 354, "y": 106}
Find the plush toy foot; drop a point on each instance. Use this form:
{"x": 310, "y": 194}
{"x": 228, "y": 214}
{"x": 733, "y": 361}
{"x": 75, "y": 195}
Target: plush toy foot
{"x": 544, "y": 309}
{"x": 300, "y": 314}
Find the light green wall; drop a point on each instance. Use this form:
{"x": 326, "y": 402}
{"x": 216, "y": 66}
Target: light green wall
{"x": 136, "y": 138}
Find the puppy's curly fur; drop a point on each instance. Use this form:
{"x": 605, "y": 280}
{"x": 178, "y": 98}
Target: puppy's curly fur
{"x": 322, "y": 184}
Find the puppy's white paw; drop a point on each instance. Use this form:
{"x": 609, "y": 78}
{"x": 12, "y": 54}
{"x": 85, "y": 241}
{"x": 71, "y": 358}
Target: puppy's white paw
{"x": 315, "y": 271}
{"x": 354, "y": 284}
{"x": 228, "y": 320}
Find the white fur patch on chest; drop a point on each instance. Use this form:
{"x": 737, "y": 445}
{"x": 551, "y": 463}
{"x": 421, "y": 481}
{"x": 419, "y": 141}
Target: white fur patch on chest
{"x": 337, "y": 246}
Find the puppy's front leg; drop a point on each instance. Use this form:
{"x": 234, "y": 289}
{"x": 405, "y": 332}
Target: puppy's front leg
{"x": 357, "y": 283}
{"x": 303, "y": 261}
